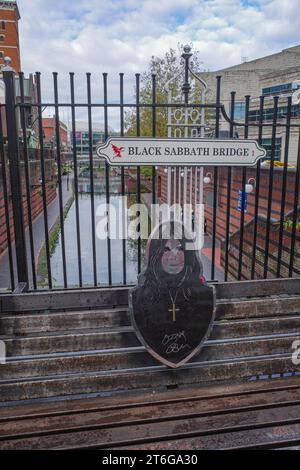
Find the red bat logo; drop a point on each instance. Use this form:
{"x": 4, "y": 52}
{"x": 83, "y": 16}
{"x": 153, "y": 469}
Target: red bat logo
{"x": 117, "y": 150}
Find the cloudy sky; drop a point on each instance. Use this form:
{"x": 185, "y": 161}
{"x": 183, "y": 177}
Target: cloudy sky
{"x": 121, "y": 35}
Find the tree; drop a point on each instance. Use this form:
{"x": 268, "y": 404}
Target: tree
{"x": 163, "y": 69}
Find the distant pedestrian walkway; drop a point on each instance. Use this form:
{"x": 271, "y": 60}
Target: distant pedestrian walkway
{"x": 38, "y": 235}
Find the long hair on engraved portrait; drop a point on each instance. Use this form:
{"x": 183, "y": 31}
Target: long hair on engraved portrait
{"x": 169, "y": 262}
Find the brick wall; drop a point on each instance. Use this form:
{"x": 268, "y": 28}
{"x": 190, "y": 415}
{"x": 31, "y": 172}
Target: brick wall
{"x": 235, "y": 217}
{"x": 35, "y": 198}
{"x": 273, "y": 257}
{"x": 236, "y": 185}
{"x": 10, "y": 46}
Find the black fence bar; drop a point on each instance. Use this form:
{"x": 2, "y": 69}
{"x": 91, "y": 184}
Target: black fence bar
{"x": 123, "y": 180}
{"x": 6, "y": 203}
{"x": 91, "y": 162}
{"x": 284, "y": 181}
{"x": 257, "y": 187}
{"x": 15, "y": 175}
{"x": 42, "y": 162}
{"x": 232, "y": 103}
{"x": 216, "y": 175}
{"x": 60, "y": 191}
{"x": 138, "y": 170}
{"x": 154, "y": 135}
{"x": 295, "y": 211}
{"x": 27, "y": 180}
{"x": 153, "y": 106}
{"x": 270, "y": 194}
{"x": 141, "y": 105}
{"x": 244, "y": 179}
{"x": 107, "y": 185}
{"x": 75, "y": 166}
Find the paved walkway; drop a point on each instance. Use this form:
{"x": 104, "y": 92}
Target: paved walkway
{"x": 38, "y": 235}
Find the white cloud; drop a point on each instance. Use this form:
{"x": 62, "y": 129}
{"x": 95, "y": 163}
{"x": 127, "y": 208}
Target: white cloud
{"x": 122, "y": 35}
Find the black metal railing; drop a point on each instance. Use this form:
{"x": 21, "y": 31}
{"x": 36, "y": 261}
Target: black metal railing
{"x": 222, "y": 224}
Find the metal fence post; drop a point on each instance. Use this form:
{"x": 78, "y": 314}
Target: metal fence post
{"x": 15, "y": 173}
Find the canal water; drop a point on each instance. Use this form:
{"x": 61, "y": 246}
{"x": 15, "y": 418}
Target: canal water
{"x": 131, "y": 250}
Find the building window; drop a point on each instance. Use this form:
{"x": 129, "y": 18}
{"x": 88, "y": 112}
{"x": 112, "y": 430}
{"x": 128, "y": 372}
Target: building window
{"x": 2, "y": 37}
{"x": 239, "y": 110}
{"x": 267, "y": 144}
{"x": 276, "y": 89}
{"x": 1, "y": 54}
{"x": 268, "y": 113}
{"x": 3, "y": 25}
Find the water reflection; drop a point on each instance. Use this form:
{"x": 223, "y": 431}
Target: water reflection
{"x": 86, "y": 240}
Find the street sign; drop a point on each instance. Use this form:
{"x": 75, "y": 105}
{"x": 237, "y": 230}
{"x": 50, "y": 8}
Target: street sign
{"x": 129, "y": 151}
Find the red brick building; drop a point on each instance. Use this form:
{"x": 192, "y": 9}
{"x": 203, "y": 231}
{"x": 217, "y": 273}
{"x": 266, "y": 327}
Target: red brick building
{"x": 9, "y": 33}
{"x": 50, "y": 133}
{"x": 36, "y": 197}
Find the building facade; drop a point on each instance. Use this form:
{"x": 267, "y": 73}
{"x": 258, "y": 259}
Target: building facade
{"x": 30, "y": 110}
{"x": 49, "y": 130}
{"x": 82, "y": 136}
{"x": 277, "y": 75}
{"x": 274, "y": 76}
{"x": 9, "y": 33}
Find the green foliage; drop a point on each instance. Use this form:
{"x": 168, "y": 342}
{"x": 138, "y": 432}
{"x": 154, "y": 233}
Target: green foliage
{"x": 164, "y": 68}
{"x": 66, "y": 169}
{"x": 260, "y": 256}
{"x": 146, "y": 171}
{"x": 53, "y": 241}
{"x": 289, "y": 224}
{"x": 52, "y": 184}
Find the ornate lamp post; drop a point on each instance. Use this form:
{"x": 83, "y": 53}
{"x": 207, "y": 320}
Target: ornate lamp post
{"x": 185, "y": 122}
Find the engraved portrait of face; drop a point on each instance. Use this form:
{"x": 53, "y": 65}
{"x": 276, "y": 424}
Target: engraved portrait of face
{"x": 172, "y": 307}
{"x": 172, "y": 260}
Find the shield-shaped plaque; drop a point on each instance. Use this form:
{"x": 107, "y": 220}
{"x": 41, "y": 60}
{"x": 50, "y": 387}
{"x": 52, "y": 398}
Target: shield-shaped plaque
{"x": 172, "y": 306}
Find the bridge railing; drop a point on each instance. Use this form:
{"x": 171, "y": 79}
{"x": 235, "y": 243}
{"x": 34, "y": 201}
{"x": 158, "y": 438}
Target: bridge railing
{"x": 223, "y": 215}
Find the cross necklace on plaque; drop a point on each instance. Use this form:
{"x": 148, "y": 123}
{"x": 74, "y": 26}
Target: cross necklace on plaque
{"x": 173, "y": 309}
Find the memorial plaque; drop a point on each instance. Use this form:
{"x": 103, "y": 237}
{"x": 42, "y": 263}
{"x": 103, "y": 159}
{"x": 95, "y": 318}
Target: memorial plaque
{"x": 172, "y": 306}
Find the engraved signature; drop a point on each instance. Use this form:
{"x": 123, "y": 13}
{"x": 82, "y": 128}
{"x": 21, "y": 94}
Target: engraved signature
{"x": 175, "y": 342}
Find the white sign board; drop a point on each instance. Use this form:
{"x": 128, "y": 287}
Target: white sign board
{"x": 127, "y": 151}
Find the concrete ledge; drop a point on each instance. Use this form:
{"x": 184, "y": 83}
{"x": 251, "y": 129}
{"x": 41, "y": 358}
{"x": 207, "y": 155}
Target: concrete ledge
{"x": 116, "y": 296}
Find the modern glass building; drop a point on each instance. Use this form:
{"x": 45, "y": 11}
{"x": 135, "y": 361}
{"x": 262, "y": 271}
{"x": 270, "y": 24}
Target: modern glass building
{"x": 82, "y": 136}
